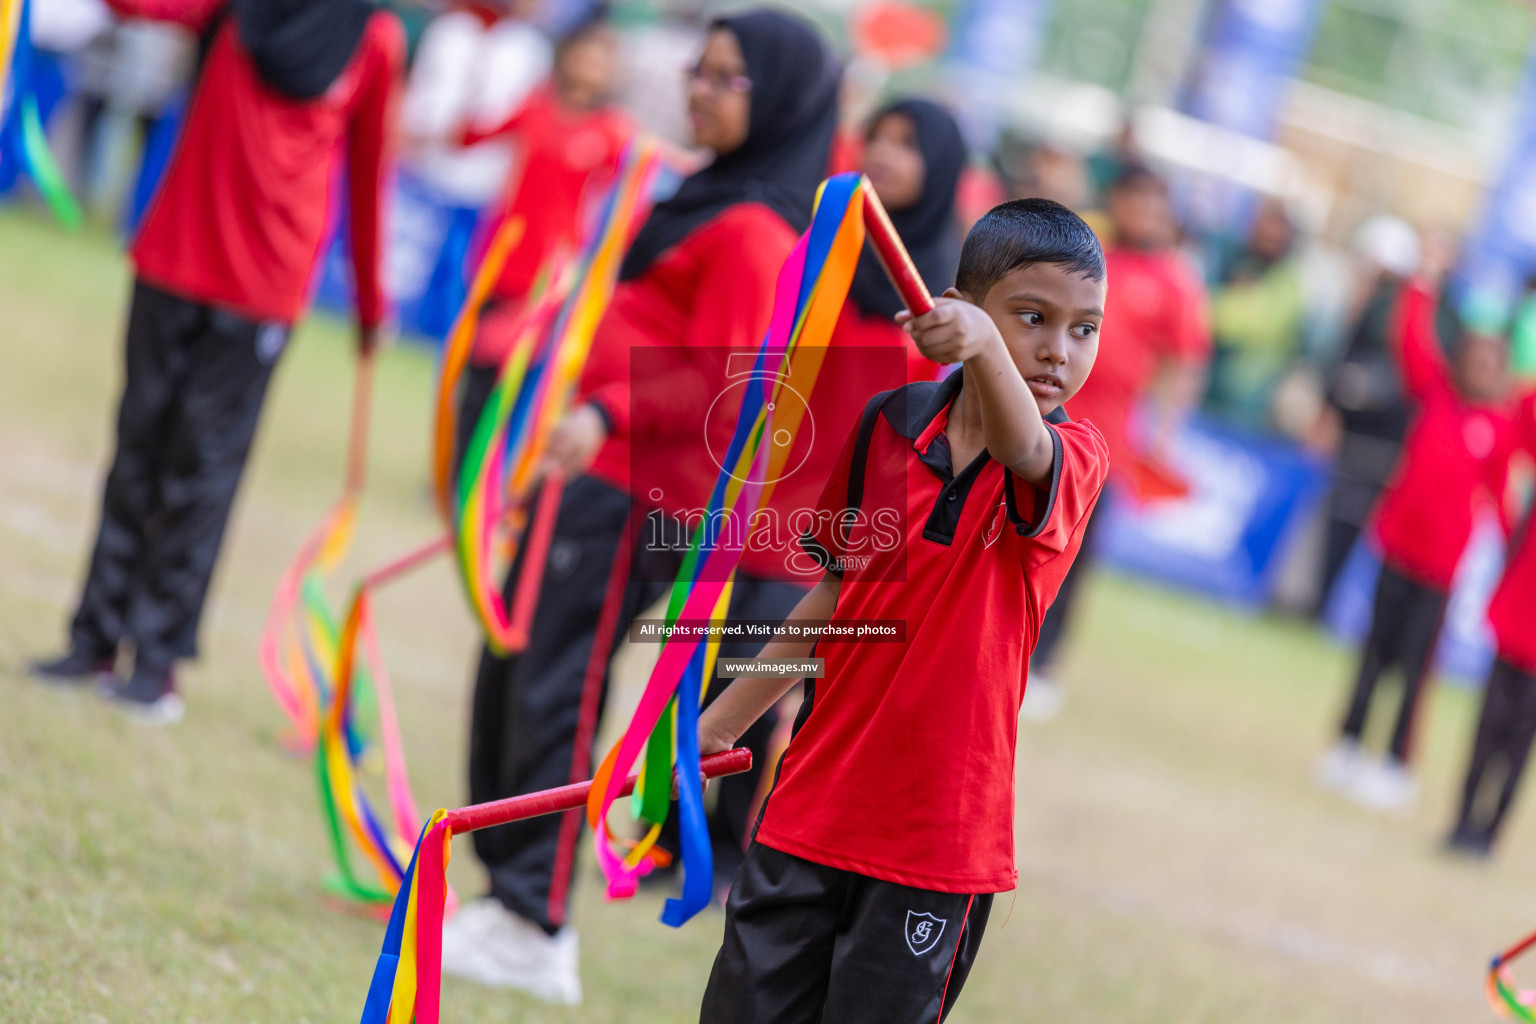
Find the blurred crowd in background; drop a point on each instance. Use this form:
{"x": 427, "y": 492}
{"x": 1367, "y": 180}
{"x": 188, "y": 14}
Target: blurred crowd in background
{"x": 1303, "y": 149}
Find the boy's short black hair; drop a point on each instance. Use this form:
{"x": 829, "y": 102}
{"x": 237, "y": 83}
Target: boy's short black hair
{"x": 1023, "y": 232}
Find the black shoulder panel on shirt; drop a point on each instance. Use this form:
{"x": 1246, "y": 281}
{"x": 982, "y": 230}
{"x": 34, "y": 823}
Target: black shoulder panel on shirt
{"x": 861, "y": 441}
{"x": 910, "y": 408}
{"x": 1024, "y": 528}
{"x": 1058, "y": 415}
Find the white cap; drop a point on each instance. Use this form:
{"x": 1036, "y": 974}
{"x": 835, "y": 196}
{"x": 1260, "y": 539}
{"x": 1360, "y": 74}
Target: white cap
{"x": 1390, "y": 243}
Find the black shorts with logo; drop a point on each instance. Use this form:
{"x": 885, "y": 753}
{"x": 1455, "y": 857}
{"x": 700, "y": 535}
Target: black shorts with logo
{"x": 807, "y": 942}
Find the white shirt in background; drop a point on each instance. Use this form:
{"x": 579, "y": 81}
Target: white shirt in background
{"x": 468, "y": 74}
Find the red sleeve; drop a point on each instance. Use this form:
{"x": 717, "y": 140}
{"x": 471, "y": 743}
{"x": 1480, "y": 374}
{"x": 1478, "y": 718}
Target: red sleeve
{"x": 1496, "y": 477}
{"x": 473, "y": 134}
{"x": 1527, "y": 423}
{"x": 194, "y": 15}
{"x": 739, "y": 258}
{"x": 369, "y": 148}
{"x": 1060, "y": 511}
{"x": 1413, "y": 339}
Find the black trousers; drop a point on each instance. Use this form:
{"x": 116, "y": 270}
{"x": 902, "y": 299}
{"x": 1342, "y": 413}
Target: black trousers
{"x": 1363, "y": 465}
{"x": 196, "y": 377}
{"x": 527, "y": 706}
{"x": 1404, "y": 630}
{"x": 1504, "y": 733}
{"x": 806, "y": 943}
{"x": 1058, "y": 616}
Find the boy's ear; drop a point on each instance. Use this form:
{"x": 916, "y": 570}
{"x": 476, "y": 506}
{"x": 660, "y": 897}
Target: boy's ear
{"x": 956, "y": 293}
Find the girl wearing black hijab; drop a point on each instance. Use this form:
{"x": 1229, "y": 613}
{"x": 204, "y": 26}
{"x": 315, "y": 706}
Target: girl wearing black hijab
{"x": 699, "y": 279}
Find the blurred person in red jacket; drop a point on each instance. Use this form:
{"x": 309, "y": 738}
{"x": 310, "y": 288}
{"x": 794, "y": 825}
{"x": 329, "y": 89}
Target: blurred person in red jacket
{"x": 1157, "y": 344}
{"x": 698, "y": 278}
{"x": 1507, "y": 723}
{"x": 570, "y": 137}
{"x": 1455, "y": 459}
{"x": 222, "y": 263}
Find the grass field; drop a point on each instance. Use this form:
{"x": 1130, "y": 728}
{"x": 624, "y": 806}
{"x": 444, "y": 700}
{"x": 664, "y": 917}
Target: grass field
{"x": 1176, "y": 864}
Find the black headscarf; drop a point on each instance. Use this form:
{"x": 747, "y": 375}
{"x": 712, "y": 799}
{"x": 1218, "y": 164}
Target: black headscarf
{"x": 928, "y": 226}
{"x": 788, "y": 144}
{"x": 300, "y": 47}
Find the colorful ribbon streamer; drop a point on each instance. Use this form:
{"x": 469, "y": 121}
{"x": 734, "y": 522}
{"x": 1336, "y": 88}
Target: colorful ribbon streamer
{"x": 407, "y": 977}
{"x": 329, "y": 676}
{"x": 21, "y": 127}
{"x": 1503, "y": 996}
{"x": 497, "y": 471}
{"x": 297, "y": 648}
{"x": 809, "y": 296}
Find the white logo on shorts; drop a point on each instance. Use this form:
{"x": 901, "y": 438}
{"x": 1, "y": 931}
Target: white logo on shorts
{"x": 923, "y": 931}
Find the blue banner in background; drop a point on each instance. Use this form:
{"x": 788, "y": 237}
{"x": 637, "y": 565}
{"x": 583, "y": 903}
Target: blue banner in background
{"x": 993, "y": 46}
{"x": 1226, "y": 538}
{"x": 1501, "y": 251}
{"x": 1252, "y": 50}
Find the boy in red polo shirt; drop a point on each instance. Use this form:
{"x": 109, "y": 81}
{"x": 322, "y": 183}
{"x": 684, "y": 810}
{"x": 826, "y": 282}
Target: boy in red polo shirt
{"x": 1454, "y": 459}
{"x": 1508, "y": 720}
{"x": 866, "y": 890}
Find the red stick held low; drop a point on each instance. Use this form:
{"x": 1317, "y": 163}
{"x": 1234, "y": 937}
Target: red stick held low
{"x": 565, "y": 798}
{"x": 893, "y": 255}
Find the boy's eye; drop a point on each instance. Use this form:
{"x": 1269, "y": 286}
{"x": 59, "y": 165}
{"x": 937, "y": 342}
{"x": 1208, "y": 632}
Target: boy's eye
{"x": 1031, "y": 317}
{"x": 1085, "y": 330}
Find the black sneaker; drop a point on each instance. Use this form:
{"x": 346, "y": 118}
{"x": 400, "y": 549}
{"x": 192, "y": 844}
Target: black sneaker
{"x": 1468, "y": 843}
{"x": 148, "y": 697}
{"x": 73, "y": 668}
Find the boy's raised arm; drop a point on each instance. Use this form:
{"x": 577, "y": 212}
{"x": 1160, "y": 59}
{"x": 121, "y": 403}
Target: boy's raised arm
{"x": 745, "y": 700}
{"x": 1413, "y": 339}
{"x": 958, "y": 331}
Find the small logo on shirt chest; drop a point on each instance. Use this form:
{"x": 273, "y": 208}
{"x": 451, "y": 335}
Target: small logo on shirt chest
{"x": 1478, "y": 435}
{"x": 923, "y": 932}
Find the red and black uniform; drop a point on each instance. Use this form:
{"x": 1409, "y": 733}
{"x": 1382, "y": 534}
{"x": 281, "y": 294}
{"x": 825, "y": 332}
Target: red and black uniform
{"x": 1507, "y": 724}
{"x": 567, "y": 156}
{"x": 222, "y": 265}
{"x": 1455, "y": 459}
{"x": 1157, "y": 313}
{"x": 891, "y": 822}
{"x": 868, "y": 354}
{"x": 698, "y": 279}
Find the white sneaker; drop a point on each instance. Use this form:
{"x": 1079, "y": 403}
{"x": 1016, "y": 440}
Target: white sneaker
{"x": 465, "y": 930}
{"x": 487, "y": 943}
{"x": 1340, "y": 766}
{"x": 1042, "y": 699}
{"x": 1385, "y": 785}
{"x": 167, "y": 709}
